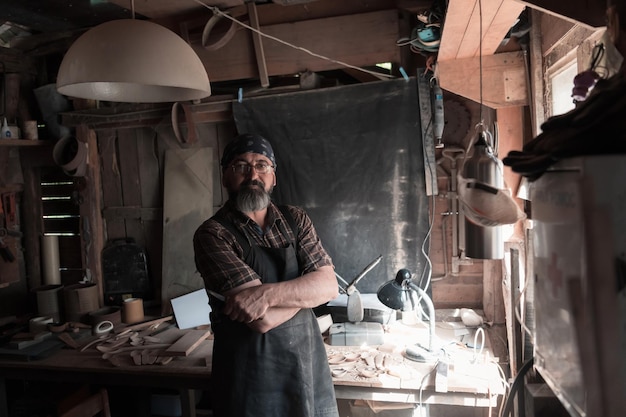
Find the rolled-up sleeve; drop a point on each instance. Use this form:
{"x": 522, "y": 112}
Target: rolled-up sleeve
{"x": 218, "y": 258}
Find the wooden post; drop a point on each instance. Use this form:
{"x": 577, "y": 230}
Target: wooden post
{"x": 258, "y": 46}
{"x": 92, "y": 230}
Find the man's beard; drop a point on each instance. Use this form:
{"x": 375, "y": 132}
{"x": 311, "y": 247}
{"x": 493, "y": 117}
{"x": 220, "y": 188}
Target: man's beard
{"x": 250, "y": 198}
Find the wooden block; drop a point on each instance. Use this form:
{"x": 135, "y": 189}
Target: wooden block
{"x": 170, "y": 335}
{"x": 186, "y": 344}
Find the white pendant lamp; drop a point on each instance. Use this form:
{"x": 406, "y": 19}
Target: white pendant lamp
{"x": 132, "y": 61}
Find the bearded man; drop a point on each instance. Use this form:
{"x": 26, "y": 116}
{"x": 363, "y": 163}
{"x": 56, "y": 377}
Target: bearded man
{"x": 268, "y": 262}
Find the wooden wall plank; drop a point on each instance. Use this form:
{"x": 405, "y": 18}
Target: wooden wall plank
{"x": 92, "y": 227}
{"x": 511, "y": 137}
{"x": 187, "y": 202}
{"x": 150, "y": 170}
{"x": 162, "y": 8}
{"x": 131, "y": 181}
{"x": 337, "y": 38}
{"x": 111, "y": 183}
{"x": 272, "y": 13}
{"x": 223, "y": 134}
{"x": 151, "y": 174}
{"x": 32, "y": 225}
{"x": 453, "y": 295}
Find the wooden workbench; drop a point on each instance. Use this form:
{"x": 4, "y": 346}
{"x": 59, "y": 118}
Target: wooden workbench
{"x": 471, "y": 378}
{"x": 184, "y": 373}
{"x": 399, "y": 380}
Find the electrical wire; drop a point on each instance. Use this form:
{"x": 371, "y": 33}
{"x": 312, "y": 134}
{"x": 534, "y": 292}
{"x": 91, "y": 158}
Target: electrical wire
{"x": 480, "y": 56}
{"x": 217, "y": 11}
{"x": 478, "y": 352}
{"x": 517, "y": 382}
{"x": 517, "y": 309}
{"x": 421, "y": 401}
{"x": 427, "y": 271}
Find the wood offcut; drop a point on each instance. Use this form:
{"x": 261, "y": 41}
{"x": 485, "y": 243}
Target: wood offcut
{"x": 186, "y": 344}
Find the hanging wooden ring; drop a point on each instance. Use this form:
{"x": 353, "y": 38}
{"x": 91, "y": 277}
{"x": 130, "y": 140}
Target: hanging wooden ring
{"x": 222, "y": 40}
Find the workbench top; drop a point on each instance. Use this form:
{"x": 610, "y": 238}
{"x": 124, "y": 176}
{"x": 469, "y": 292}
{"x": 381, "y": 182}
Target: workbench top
{"x": 454, "y": 366}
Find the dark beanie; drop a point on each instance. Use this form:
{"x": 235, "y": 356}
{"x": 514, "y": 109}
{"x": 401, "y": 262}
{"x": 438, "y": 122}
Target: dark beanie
{"x": 244, "y": 143}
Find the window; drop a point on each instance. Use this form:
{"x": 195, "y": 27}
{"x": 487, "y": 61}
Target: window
{"x": 561, "y": 85}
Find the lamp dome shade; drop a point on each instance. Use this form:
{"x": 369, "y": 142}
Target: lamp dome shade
{"x": 132, "y": 61}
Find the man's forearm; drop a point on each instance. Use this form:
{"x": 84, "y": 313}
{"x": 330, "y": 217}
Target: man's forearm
{"x": 274, "y": 317}
{"x": 310, "y": 290}
{"x": 307, "y": 291}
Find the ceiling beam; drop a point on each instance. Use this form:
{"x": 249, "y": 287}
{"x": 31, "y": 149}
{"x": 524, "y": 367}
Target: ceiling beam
{"x": 342, "y": 39}
{"x": 158, "y": 9}
{"x": 590, "y": 13}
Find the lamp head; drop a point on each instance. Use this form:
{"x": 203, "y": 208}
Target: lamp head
{"x": 402, "y": 276}
{"x": 396, "y": 293}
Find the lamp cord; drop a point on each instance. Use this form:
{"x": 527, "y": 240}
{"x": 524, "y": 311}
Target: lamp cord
{"x": 480, "y": 57}
{"x": 518, "y": 383}
{"x": 217, "y": 11}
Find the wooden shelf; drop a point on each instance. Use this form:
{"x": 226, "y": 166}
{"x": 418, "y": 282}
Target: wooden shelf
{"x": 25, "y": 142}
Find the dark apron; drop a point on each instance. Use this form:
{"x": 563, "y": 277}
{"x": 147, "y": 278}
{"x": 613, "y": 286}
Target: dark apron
{"x": 282, "y": 373}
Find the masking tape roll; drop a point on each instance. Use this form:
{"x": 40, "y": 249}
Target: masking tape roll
{"x": 103, "y": 327}
{"x": 132, "y": 310}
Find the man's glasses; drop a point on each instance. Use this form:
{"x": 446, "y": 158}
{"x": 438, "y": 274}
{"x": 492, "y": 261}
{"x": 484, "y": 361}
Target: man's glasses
{"x": 244, "y": 168}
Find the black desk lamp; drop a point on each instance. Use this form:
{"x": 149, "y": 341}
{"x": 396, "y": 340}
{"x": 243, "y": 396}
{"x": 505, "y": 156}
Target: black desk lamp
{"x": 399, "y": 294}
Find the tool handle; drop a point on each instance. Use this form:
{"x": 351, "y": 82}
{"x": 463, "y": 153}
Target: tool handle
{"x": 216, "y": 295}
{"x": 366, "y": 270}
{"x": 342, "y": 280}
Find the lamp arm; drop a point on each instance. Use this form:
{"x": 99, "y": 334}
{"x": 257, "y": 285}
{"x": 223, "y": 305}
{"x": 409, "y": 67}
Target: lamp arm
{"x": 431, "y": 312}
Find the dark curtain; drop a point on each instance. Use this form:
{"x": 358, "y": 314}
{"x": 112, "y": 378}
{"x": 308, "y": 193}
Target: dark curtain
{"x": 352, "y": 157}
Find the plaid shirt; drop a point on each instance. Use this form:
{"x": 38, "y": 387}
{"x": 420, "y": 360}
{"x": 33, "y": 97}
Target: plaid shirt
{"x": 218, "y": 255}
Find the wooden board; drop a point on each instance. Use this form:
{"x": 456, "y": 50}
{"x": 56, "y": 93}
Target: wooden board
{"x": 187, "y": 202}
{"x": 462, "y": 27}
{"x": 338, "y": 38}
{"x": 128, "y": 158}
{"x": 163, "y": 8}
{"x": 503, "y": 75}
{"x": 111, "y": 190}
{"x": 170, "y": 335}
{"x": 187, "y": 343}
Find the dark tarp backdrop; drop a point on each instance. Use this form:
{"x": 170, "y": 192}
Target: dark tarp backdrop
{"x": 352, "y": 157}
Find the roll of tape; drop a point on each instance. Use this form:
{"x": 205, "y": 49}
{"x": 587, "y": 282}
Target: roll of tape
{"x": 132, "y": 310}
{"x": 39, "y": 324}
{"x": 103, "y": 327}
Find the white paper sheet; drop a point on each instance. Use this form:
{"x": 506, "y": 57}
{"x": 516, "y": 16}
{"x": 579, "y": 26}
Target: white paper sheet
{"x": 191, "y": 310}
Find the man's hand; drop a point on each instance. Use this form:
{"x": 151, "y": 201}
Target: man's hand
{"x": 246, "y": 304}
{"x": 263, "y": 307}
